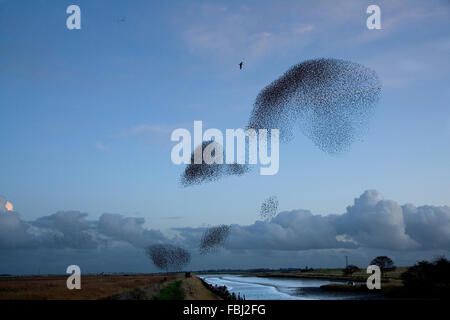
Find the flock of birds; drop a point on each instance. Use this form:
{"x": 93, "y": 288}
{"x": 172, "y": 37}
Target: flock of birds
{"x": 213, "y": 238}
{"x": 331, "y": 101}
{"x": 168, "y": 257}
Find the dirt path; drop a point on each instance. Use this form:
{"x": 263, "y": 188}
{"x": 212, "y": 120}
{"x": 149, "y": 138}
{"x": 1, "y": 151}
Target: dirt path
{"x": 195, "y": 290}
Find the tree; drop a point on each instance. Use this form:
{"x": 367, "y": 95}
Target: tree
{"x": 166, "y": 256}
{"x": 428, "y": 277}
{"x": 385, "y": 263}
{"x": 350, "y": 269}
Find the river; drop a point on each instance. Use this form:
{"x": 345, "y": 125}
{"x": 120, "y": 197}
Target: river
{"x": 261, "y": 288}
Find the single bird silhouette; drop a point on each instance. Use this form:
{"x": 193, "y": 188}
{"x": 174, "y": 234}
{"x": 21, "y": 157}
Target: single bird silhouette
{"x": 240, "y": 65}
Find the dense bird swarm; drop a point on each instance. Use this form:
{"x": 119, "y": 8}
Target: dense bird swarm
{"x": 269, "y": 208}
{"x": 199, "y": 173}
{"x": 331, "y": 100}
{"x": 168, "y": 257}
{"x": 213, "y": 238}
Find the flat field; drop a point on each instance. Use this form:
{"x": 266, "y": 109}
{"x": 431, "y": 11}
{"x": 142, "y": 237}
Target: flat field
{"x": 95, "y": 287}
{"x": 92, "y": 286}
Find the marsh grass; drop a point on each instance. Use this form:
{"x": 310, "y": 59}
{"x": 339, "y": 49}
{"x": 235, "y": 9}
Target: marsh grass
{"x": 172, "y": 292}
{"x": 92, "y": 286}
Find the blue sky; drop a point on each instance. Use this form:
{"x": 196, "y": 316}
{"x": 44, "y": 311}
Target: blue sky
{"x": 71, "y": 99}
{"x": 86, "y": 115}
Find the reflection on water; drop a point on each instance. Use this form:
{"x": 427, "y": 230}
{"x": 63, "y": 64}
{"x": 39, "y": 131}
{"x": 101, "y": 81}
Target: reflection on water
{"x": 260, "y": 288}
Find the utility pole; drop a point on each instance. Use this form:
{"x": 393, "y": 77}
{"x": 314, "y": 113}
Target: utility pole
{"x": 346, "y": 261}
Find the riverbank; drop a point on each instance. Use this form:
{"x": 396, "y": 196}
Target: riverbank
{"x": 196, "y": 290}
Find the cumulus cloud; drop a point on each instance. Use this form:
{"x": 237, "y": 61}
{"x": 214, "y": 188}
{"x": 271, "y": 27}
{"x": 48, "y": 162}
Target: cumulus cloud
{"x": 72, "y": 230}
{"x": 375, "y": 223}
{"x": 428, "y": 225}
{"x": 289, "y": 230}
{"x": 370, "y": 222}
{"x": 14, "y": 233}
{"x": 65, "y": 229}
{"x": 370, "y": 226}
{"x": 128, "y": 229}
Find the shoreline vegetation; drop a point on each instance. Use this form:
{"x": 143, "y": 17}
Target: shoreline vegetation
{"x": 222, "y": 291}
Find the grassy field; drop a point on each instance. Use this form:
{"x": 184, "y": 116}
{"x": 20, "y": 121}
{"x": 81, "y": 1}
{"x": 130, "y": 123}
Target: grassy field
{"x": 116, "y": 287}
{"x": 172, "y": 291}
{"x": 92, "y": 286}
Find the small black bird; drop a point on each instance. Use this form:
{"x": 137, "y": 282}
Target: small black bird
{"x": 240, "y": 65}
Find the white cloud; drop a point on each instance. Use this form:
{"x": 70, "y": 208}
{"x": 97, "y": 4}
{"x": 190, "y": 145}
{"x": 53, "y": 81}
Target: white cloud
{"x": 72, "y": 229}
{"x": 428, "y": 225}
{"x": 370, "y": 226}
{"x": 128, "y": 229}
{"x": 375, "y": 223}
{"x": 370, "y": 222}
{"x": 289, "y": 230}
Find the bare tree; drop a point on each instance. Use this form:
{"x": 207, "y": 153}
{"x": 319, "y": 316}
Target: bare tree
{"x": 168, "y": 257}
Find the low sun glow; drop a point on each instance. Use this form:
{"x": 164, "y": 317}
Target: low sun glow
{"x": 9, "y": 206}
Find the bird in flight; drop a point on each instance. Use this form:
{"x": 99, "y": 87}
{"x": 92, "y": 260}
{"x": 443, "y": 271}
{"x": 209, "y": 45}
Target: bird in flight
{"x": 240, "y": 65}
